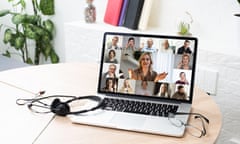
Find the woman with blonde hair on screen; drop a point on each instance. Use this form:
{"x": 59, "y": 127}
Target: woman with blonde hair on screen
{"x": 145, "y": 71}
{"x": 185, "y": 62}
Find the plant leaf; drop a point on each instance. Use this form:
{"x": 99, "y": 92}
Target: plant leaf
{"x": 29, "y": 61}
{"x": 54, "y": 57}
{"x": 184, "y": 28}
{"x": 48, "y": 25}
{"x": 8, "y": 35}
{"x": 47, "y": 50}
{"x": 39, "y": 30}
{"x": 20, "y": 2}
{"x": 18, "y": 19}
{"x": 47, "y": 37}
{"x": 30, "y": 32}
{"x": 19, "y": 41}
{"x": 7, "y": 54}
{"x": 47, "y": 7}
{"x": 4, "y": 12}
{"x": 33, "y": 19}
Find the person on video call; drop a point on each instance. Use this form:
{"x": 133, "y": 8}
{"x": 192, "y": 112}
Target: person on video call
{"x": 180, "y": 94}
{"x": 114, "y": 44}
{"x": 163, "y": 91}
{"x": 185, "y": 49}
{"x": 166, "y": 47}
{"x": 185, "y": 62}
{"x": 110, "y": 85}
{"x": 111, "y": 57}
{"x": 149, "y": 47}
{"x": 111, "y": 73}
{"x": 126, "y": 88}
{"x": 183, "y": 80}
{"x": 144, "y": 71}
{"x": 130, "y": 47}
{"x": 143, "y": 90}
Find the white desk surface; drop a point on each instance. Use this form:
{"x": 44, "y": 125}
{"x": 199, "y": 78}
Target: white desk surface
{"x": 19, "y": 125}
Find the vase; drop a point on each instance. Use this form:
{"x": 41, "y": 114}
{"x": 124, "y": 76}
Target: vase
{"x": 90, "y": 12}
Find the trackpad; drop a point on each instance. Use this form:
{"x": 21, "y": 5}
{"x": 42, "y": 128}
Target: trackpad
{"x": 128, "y": 121}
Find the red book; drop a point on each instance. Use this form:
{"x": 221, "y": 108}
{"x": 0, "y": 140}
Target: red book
{"x": 113, "y": 12}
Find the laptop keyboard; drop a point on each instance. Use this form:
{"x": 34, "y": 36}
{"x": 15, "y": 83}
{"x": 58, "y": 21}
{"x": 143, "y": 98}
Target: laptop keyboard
{"x": 147, "y": 108}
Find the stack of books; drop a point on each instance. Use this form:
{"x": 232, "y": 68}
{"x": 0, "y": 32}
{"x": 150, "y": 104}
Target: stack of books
{"x": 132, "y": 14}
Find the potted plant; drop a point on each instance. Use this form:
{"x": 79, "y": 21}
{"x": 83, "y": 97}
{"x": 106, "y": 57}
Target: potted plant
{"x": 184, "y": 24}
{"x": 30, "y": 30}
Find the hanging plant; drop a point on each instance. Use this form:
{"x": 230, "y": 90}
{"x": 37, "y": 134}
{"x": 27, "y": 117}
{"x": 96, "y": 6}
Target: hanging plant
{"x": 35, "y": 26}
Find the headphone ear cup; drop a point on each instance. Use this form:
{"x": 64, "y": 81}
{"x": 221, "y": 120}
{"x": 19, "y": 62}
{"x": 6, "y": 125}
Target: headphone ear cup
{"x": 60, "y": 108}
{"x": 55, "y": 103}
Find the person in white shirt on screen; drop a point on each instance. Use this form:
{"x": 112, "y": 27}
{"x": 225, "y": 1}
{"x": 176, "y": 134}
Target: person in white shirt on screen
{"x": 166, "y": 47}
{"x": 149, "y": 47}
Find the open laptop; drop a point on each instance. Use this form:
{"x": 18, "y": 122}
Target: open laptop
{"x": 142, "y": 78}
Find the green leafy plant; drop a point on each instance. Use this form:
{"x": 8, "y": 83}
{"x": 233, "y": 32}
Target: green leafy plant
{"x": 185, "y": 25}
{"x": 184, "y": 28}
{"x": 30, "y": 31}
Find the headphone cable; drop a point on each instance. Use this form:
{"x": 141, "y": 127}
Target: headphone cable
{"x": 22, "y": 89}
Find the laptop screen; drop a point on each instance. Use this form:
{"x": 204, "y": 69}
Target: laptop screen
{"x": 148, "y": 66}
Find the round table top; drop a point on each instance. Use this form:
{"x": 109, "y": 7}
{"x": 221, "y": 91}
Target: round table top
{"x": 81, "y": 79}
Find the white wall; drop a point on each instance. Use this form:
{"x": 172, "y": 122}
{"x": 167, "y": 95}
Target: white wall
{"x": 214, "y": 24}
{"x": 67, "y": 11}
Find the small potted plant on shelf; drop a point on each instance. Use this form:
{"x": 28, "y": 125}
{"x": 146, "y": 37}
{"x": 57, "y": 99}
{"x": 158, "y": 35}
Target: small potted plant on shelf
{"x": 30, "y": 32}
{"x": 184, "y": 25}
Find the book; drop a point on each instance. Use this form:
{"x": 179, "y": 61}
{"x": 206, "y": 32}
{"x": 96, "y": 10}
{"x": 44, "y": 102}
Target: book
{"x": 113, "y": 12}
{"x": 144, "y": 18}
{"x": 123, "y": 12}
{"x": 133, "y": 13}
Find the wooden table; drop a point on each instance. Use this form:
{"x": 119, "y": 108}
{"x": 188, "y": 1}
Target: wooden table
{"x": 81, "y": 79}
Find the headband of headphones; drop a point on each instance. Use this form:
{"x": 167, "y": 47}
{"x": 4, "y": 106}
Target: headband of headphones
{"x": 58, "y": 107}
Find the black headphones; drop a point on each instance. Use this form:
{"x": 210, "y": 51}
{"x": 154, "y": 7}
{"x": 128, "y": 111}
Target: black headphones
{"x": 57, "y": 106}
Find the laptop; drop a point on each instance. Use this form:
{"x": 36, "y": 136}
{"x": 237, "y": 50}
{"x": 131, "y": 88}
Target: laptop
{"x": 143, "y": 77}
